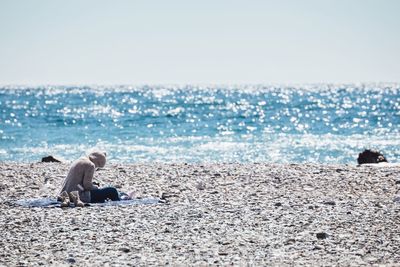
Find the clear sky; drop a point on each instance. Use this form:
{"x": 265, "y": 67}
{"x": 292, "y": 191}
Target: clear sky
{"x": 209, "y": 41}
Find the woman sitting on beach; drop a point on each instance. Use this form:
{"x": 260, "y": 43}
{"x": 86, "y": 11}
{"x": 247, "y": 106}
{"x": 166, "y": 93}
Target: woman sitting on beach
{"x": 78, "y": 186}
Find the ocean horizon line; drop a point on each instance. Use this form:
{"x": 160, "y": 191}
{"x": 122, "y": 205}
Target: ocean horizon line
{"x": 199, "y": 84}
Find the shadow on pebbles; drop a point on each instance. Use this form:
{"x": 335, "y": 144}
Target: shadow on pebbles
{"x": 214, "y": 214}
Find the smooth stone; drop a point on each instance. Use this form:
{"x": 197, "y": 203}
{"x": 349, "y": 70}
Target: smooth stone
{"x": 50, "y": 159}
{"x": 71, "y": 260}
{"x": 124, "y": 249}
{"x": 330, "y": 202}
{"x": 322, "y": 235}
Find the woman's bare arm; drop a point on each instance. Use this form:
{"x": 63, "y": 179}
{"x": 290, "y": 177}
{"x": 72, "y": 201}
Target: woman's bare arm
{"x": 88, "y": 177}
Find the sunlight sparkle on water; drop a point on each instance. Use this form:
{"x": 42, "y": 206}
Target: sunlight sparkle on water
{"x": 323, "y": 123}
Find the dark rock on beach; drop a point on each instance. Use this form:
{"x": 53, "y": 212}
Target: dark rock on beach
{"x": 322, "y": 235}
{"x": 71, "y": 260}
{"x": 370, "y": 156}
{"x": 50, "y": 159}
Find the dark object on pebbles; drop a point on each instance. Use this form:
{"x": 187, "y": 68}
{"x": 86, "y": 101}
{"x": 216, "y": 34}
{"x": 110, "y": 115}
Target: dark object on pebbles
{"x": 322, "y": 235}
{"x": 370, "y": 156}
{"x": 124, "y": 249}
{"x": 330, "y": 202}
{"x": 50, "y": 159}
{"x": 71, "y": 260}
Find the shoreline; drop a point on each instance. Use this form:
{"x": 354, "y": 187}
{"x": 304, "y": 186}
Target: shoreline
{"x": 216, "y": 213}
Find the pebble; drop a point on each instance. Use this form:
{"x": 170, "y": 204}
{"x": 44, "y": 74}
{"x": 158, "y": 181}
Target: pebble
{"x": 322, "y": 235}
{"x": 71, "y": 260}
{"x": 331, "y": 203}
{"x": 124, "y": 249}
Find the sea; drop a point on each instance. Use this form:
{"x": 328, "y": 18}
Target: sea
{"x": 320, "y": 123}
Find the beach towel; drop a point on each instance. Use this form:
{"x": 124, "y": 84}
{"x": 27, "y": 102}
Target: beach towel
{"x": 53, "y": 203}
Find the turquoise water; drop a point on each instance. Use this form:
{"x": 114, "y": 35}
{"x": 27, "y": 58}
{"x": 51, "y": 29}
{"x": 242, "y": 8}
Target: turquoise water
{"x": 321, "y": 123}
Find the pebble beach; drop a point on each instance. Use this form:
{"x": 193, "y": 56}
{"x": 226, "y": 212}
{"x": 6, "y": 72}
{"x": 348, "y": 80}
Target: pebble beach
{"x": 212, "y": 214}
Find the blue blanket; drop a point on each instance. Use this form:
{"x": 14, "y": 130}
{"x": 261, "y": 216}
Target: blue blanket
{"x": 53, "y": 203}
